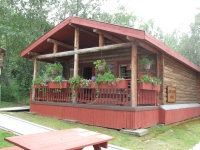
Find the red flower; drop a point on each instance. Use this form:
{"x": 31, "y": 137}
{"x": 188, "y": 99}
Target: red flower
{"x": 141, "y": 75}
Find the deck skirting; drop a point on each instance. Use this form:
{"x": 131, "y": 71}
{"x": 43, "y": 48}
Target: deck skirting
{"x": 116, "y": 117}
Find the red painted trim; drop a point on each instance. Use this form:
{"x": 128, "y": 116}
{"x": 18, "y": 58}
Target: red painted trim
{"x": 109, "y": 27}
{"x": 169, "y": 51}
{"x": 116, "y": 119}
{"x": 45, "y": 36}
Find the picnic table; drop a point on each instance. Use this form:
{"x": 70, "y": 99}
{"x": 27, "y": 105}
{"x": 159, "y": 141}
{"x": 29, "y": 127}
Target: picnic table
{"x": 75, "y": 139}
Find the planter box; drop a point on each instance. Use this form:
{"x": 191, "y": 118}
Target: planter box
{"x": 40, "y": 86}
{"x": 57, "y": 85}
{"x": 148, "y": 86}
{"x": 119, "y": 85}
{"x": 92, "y": 85}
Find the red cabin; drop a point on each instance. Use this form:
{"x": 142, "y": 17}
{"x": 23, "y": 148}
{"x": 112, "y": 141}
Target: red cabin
{"x": 76, "y": 43}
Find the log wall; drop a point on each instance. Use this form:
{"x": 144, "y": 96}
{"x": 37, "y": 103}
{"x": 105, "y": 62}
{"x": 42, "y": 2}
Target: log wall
{"x": 198, "y": 87}
{"x": 183, "y": 78}
{"x": 112, "y": 57}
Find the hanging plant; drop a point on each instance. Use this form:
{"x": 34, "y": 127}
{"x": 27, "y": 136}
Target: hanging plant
{"x": 55, "y": 68}
{"x": 101, "y": 66}
{"x": 146, "y": 63}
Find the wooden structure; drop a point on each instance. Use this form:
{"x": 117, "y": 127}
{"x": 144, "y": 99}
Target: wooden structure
{"x": 75, "y": 139}
{"x": 77, "y": 43}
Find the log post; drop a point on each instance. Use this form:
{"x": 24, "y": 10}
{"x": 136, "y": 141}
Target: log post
{"x": 55, "y": 48}
{"x": 34, "y": 77}
{"x": 76, "y": 47}
{"x": 101, "y": 40}
{"x": 134, "y": 76}
{"x": 160, "y": 74}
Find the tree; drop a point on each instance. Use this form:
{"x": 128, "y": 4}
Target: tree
{"x": 189, "y": 45}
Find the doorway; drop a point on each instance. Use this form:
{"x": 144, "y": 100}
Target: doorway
{"x": 87, "y": 72}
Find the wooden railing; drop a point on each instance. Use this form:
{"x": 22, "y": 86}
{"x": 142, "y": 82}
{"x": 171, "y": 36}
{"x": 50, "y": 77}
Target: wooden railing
{"x": 104, "y": 96}
{"x": 110, "y": 95}
{"x": 56, "y": 95}
{"x": 147, "y": 97}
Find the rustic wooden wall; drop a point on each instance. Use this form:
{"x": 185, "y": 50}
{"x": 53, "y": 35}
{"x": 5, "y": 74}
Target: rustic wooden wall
{"x": 198, "y": 87}
{"x": 183, "y": 78}
{"x": 160, "y": 70}
{"x": 112, "y": 57}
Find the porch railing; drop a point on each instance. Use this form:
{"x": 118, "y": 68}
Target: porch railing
{"x": 112, "y": 96}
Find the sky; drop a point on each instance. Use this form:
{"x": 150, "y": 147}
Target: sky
{"x": 167, "y": 14}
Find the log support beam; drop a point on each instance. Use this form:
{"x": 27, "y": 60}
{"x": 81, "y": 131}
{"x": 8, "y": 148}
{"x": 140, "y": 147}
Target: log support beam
{"x": 60, "y": 43}
{"x": 108, "y": 36}
{"x": 143, "y": 45}
{"x": 55, "y": 48}
{"x": 76, "y": 60}
{"x": 101, "y": 40}
{"x": 87, "y": 50}
{"x": 83, "y": 30}
{"x": 134, "y": 76}
{"x": 34, "y": 77}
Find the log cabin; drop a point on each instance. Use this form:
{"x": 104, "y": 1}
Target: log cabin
{"x": 76, "y": 43}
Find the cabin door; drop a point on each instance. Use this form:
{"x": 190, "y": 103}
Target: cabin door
{"x": 87, "y": 72}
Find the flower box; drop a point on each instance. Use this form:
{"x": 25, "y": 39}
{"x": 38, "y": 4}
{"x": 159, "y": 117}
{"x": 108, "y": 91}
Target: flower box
{"x": 40, "y": 86}
{"x": 118, "y": 85}
{"x": 148, "y": 86}
{"x": 64, "y": 84}
{"x": 92, "y": 85}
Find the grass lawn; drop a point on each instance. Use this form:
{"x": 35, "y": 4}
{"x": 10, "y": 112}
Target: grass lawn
{"x": 3, "y": 143}
{"x": 179, "y": 136}
{"x": 4, "y": 104}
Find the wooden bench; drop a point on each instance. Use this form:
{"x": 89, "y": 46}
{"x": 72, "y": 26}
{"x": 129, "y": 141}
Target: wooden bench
{"x": 11, "y": 148}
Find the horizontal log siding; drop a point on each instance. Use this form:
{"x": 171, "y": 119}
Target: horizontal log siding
{"x": 198, "y": 87}
{"x": 181, "y": 77}
{"x": 116, "y": 119}
{"x": 114, "y": 56}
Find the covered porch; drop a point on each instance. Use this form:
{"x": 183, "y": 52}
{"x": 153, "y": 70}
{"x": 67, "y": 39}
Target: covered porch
{"x": 123, "y": 106}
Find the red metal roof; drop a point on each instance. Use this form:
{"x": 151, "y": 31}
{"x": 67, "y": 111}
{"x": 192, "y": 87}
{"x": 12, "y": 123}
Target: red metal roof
{"x": 65, "y": 33}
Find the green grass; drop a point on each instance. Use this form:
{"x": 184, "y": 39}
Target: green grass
{"x": 4, "y": 104}
{"x": 179, "y": 136}
{"x": 3, "y": 143}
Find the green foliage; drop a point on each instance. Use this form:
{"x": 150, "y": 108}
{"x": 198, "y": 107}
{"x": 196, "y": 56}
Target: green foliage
{"x": 74, "y": 82}
{"x": 144, "y": 78}
{"x": 157, "y": 80}
{"x": 85, "y": 83}
{"x": 149, "y": 79}
{"x": 58, "y": 79}
{"x": 98, "y": 63}
{"x": 55, "y": 67}
{"x": 106, "y": 77}
{"x": 3, "y": 143}
{"x": 38, "y": 80}
{"x": 145, "y": 61}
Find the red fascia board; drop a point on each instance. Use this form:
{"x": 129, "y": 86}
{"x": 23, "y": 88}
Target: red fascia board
{"x": 45, "y": 37}
{"x": 169, "y": 51}
{"x": 108, "y": 27}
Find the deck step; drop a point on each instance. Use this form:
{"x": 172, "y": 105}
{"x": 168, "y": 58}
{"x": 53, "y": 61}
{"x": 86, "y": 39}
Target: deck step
{"x": 138, "y": 132}
{"x": 11, "y": 148}
{"x": 70, "y": 121}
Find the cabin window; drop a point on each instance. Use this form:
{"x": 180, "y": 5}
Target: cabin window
{"x": 83, "y": 72}
{"x": 125, "y": 72}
